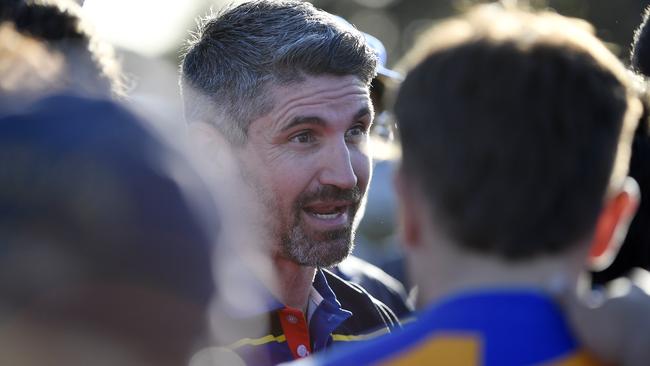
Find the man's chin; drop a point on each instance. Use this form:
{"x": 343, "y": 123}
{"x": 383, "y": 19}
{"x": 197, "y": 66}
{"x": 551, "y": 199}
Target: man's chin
{"x": 322, "y": 250}
{"x": 333, "y": 256}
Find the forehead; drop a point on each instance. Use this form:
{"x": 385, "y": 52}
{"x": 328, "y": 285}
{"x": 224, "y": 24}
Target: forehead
{"x": 327, "y": 97}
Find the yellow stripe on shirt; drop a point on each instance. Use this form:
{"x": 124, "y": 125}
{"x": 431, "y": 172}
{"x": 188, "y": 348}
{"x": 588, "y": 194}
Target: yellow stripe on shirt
{"x": 581, "y": 358}
{"x": 258, "y": 341}
{"x": 282, "y": 338}
{"x": 362, "y": 337}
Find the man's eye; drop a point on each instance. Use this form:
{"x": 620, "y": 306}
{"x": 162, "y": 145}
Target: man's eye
{"x": 356, "y": 133}
{"x": 302, "y": 138}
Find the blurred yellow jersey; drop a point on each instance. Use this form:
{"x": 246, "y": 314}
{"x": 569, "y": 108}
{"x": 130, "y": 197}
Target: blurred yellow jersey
{"x": 495, "y": 327}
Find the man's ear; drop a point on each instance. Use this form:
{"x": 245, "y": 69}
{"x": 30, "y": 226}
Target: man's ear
{"x": 612, "y": 225}
{"x": 408, "y": 216}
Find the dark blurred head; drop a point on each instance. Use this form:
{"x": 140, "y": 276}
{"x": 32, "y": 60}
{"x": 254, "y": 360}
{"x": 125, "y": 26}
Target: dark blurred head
{"x": 101, "y": 233}
{"x": 640, "y": 56}
{"x": 90, "y": 66}
{"x": 515, "y": 125}
{"x": 28, "y": 69}
{"x": 236, "y": 55}
{"x": 635, "y": 251}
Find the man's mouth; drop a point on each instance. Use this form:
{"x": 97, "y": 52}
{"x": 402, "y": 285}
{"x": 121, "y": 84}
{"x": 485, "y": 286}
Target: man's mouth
{"x": 327, "y": 211}
{"x": 331, "y": 215}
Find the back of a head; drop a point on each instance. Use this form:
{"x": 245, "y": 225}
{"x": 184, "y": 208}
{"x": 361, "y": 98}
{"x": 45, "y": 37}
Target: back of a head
{"x": 640, "y": 55}
{"x": 100, "y": 236}
{"x": 28, "y": 69}
{"x": 90, "y": 65}
{"x": 515, "y": 125}
{"x": 237, "y": 54}
{"x": 635, "y": 251}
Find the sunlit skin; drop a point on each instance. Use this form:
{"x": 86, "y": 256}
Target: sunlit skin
{"x": 308, "y": 162}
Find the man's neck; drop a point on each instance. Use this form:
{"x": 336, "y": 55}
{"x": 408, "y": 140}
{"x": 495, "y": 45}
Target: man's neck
{"x": 552, "y": 274}
{"x": 294, "y": 282}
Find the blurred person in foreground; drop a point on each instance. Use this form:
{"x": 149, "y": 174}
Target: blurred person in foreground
{"x": 84, "y": 64}
{"x": 516, "y": 131}
{"x": 106, "y": 255}
{"x": 282, "y": 89}
{"x": 27, "y": 68}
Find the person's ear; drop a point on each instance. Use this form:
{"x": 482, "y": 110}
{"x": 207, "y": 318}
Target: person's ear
{"x": 611, "y": 228}
{"x": 408, "y": 217}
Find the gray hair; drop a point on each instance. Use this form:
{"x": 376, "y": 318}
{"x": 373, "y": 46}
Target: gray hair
{"x": 235, "y": 55}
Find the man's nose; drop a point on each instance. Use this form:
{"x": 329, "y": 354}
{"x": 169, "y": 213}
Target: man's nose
{"x": 337, "y": 169}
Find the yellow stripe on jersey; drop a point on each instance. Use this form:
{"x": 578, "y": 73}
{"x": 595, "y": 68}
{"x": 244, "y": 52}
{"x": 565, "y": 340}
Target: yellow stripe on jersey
{"x": 442, "y": 350}
{"x": 575, "y": 359}
{"x": 258, "y": 341}
{"x": 362, "y": 337}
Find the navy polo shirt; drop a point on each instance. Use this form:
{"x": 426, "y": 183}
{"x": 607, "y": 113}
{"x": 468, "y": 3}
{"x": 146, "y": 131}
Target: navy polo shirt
{"x": 338, "y": 312}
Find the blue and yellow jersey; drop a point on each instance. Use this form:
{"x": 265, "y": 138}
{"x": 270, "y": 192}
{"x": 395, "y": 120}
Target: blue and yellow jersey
{"x": 491, "y": 328}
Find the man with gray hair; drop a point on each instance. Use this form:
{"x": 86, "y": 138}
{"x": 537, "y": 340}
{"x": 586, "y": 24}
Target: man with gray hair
{"x": 285, "y": 87}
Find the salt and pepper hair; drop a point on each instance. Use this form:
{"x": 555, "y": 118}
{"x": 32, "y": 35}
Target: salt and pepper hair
{"x": 235, "y": 56}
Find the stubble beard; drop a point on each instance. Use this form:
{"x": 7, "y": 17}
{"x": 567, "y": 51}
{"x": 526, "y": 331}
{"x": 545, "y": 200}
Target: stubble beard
{"x": 325, "y": 248}
{"x": 318, "y": 250}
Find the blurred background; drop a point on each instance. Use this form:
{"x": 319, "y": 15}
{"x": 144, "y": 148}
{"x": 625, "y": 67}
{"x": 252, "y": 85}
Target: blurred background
{"x": 157, "y": 28}
{"x": 149, "y": 35}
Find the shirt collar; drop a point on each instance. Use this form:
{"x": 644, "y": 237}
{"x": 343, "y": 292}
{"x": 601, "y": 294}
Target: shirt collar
{"x": 327, "y": 315}
{"x": 321, "y": 296}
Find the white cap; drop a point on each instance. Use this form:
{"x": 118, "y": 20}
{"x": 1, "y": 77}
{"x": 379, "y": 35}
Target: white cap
{"x": 380, "y": 51}
{"x": 382, "y": 57}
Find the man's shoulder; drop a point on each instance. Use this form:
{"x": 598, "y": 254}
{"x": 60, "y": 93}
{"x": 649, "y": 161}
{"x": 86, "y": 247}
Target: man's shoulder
{"x": 376, "y": 282}
{"x": 358, "y": 270}
{"x": 350, "y": 293}
{"x": 368, "y": 313}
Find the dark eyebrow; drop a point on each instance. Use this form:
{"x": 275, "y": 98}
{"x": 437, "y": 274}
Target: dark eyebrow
{"x": 362, "y": 113}
{"x": 309, "y": 120}
{"x": 313, "y": 120}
